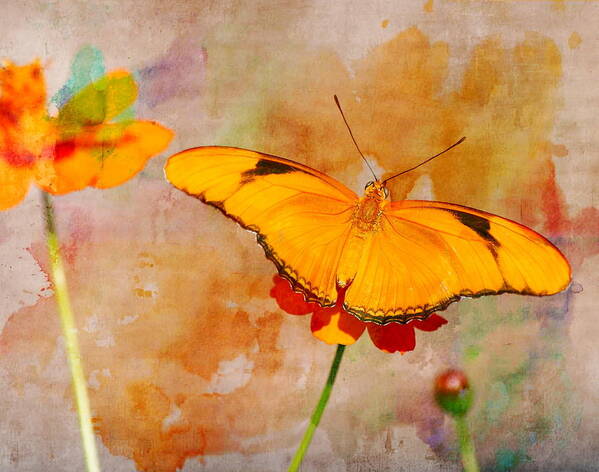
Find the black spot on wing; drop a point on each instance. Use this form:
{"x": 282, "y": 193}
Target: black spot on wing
{"x": 267, "y": 167}
{"x": 478, "y": 224}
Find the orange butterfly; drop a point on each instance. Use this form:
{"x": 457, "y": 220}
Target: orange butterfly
{"x": 396, "y": 260}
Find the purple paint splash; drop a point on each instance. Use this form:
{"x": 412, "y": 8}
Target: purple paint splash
{"x": 179, "y": 73}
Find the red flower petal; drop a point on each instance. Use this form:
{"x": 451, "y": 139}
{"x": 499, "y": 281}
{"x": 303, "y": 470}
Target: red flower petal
{"x": 432, "y": 323}
{"x": 393, "y": 337}
{"x": 288, "y": 300}
{"x": 64, "y": 149}
{"x": 333, "y": 325}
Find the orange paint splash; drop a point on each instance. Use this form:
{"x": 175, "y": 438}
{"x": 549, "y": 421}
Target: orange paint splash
{"x": 403, "y": 107}
{"x": 201, "y": 364}
{"x": 574, "y": 40}
{"x": 179, "y": 371}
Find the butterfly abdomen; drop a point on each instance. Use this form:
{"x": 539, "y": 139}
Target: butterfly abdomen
{"x": 365, "y": 222}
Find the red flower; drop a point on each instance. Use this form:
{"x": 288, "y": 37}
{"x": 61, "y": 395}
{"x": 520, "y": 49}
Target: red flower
{"x": 334, "y": 325}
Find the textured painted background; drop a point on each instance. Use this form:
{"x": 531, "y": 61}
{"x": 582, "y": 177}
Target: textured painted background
{"x": 191, "y": 365}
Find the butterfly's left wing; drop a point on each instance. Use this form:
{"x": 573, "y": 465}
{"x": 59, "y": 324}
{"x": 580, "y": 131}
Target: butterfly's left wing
{"x": 302, "y": 217}
{"x": 429, "y": 254}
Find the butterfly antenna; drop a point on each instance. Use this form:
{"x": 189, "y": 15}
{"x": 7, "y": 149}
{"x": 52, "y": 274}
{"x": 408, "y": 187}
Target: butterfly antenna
{"x": 352, "y": 136}
{"x": 424, "y": 162}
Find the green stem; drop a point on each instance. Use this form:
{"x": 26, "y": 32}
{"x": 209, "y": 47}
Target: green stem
{"x": 466, "y": 445}
{"x": 322, "y": 403}
{"x": 69, "y": 331}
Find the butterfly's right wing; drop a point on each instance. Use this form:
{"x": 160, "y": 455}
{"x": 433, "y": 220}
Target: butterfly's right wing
{"x": 301, "y": 216}
{"x": 427, "y": 255}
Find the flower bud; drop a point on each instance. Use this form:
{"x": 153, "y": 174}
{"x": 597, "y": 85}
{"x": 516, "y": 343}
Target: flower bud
{"x": 452, "y": 392}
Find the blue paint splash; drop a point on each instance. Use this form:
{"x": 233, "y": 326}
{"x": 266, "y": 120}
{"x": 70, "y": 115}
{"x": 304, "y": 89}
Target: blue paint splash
{"x": 87, "y": 67}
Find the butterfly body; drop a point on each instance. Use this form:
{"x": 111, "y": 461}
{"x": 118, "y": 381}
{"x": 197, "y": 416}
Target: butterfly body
{"x": 365, "y": 221}
{"x": 396, "y": 261}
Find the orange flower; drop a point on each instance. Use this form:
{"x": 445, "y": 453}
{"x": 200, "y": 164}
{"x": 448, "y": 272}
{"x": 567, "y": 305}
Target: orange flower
{"x": 86, "y": 144}
{"x": 334, "y": 325}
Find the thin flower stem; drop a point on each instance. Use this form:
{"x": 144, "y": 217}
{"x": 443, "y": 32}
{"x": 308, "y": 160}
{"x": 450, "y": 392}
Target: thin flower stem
{"x": 69, "y": 331}
{"x": 322, "y": 403}
{"x": 466, "y": 445}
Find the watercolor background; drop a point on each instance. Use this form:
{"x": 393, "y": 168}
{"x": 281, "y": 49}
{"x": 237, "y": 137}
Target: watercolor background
{"x": 191, "y": 365}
